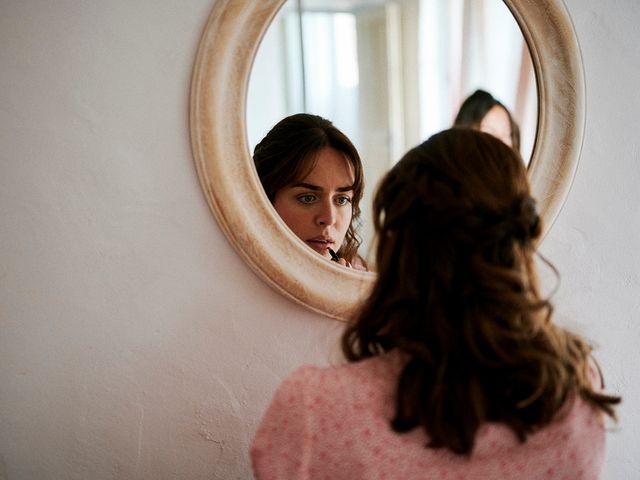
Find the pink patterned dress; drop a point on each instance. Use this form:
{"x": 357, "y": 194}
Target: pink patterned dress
{"x": 334, "y": 423}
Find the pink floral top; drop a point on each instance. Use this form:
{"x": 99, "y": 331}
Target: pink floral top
{"x": 334, "y": 423}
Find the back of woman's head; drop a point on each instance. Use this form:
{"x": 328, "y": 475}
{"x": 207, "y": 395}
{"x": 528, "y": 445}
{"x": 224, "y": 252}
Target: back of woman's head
{"x": 456, "y": 292}
{"x": 461, "y": 195}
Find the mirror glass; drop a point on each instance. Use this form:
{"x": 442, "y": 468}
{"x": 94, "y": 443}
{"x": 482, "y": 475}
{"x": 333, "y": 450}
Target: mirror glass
{"x": 389, "y": 73}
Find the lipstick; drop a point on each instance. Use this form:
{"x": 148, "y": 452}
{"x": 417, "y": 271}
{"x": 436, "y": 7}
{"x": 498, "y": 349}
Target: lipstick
{"x": 334, "y": 256}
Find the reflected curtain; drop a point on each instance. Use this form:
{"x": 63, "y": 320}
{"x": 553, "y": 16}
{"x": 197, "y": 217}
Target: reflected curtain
{"x": 471, "y": 44}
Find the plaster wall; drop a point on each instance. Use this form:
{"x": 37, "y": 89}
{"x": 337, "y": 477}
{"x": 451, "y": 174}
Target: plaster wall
{"x": 134, "y": 343}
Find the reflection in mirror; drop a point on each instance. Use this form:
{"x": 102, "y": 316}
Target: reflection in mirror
{"x": 389, "y": 73}
{"x": 481, "y": 111}
{"x": 313, "y": 176}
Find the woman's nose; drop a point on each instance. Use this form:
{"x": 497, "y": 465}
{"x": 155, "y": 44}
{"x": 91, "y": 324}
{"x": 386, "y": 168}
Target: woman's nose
{"x": 326, "y": 214}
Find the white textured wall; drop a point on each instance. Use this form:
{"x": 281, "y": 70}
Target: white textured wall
{"x": 134, "y": 343}
{"x": 596, "y": 241}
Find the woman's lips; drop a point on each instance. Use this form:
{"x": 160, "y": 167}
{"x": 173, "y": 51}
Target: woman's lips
{"x": 320, "y": 245}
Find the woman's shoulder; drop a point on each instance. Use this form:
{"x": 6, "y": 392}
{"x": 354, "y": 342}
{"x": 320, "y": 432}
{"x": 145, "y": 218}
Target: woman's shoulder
{"x": 384, "y": 366}
{"x": 342, "y": 385}
{"x": 344, "y": 380}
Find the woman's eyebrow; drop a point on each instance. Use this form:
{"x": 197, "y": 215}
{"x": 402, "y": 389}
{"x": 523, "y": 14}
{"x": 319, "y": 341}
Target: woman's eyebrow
{"x": 310, "y": 186}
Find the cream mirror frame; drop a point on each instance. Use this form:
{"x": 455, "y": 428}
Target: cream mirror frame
{"x": 228, "y": 178}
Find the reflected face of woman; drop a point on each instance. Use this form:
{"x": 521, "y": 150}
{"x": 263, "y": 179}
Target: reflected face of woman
{"x": 318, "y": 208}
{"x": 496, "y": 122}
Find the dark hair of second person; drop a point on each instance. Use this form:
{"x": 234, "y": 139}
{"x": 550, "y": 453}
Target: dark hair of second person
{"x": 475, "y": 109}
{"x": 457, "y": 293}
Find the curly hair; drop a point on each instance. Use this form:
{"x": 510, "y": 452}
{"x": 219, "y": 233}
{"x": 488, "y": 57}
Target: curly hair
{"x": 288, "y": 153}
{"x": 457, "y": 293}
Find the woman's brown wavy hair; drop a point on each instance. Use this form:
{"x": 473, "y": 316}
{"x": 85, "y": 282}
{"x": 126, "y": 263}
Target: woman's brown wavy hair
{"x": 288, "y": 153}
{"x": 456, "y": 292}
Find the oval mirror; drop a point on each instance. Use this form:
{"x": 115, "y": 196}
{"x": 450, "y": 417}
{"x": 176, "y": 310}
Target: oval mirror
{"x": 220, "y": 146}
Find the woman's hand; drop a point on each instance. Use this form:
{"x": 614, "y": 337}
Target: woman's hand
{"x": 358, "y": 264}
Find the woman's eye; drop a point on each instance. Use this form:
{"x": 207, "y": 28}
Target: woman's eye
{"x": 307, "y": 198}
{"x": 342, "y": 201}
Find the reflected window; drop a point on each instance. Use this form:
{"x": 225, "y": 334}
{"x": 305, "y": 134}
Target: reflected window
{"x": 396, "y": 69}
